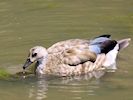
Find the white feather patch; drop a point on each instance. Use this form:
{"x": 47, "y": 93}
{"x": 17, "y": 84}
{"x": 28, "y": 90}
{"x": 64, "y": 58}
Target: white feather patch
{"x": 110, "y": 61}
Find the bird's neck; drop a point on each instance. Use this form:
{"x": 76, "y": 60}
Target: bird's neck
{"x": 41, "y": 65}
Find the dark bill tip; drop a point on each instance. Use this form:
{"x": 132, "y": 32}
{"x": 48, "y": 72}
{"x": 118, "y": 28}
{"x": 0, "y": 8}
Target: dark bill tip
{"x": 27, "y": 63}
{"x": 24, "y": 67}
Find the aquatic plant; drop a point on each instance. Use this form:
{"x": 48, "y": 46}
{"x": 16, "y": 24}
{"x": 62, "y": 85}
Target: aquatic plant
{"x": 4, "y": 74}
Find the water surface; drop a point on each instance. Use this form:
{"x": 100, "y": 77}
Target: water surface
{"x": 26, "y": 23}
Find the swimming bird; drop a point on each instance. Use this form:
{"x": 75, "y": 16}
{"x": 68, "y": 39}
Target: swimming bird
{"x": 76, "y": 56}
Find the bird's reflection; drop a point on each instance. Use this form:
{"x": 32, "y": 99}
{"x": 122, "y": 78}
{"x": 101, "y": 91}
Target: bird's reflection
{"x": 39, "y": 89}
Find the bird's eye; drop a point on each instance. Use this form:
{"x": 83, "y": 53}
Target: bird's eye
{"x": 34, "y": 55}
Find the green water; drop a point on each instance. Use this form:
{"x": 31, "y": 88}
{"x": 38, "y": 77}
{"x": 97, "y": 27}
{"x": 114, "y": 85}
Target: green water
{"x": 26, "y": 23}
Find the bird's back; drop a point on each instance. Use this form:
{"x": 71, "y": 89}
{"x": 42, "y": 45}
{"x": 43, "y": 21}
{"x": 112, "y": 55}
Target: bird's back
{"x": 64, "y": 45}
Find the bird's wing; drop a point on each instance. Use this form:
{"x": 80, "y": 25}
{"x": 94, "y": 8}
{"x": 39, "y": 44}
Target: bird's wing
{"x": 76, "y": 56}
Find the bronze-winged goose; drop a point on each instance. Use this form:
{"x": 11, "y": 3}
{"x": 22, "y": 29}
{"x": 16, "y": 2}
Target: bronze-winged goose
{"x": 76, "y": 56}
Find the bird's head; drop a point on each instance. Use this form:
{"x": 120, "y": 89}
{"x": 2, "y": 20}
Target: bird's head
{"x": 36, "y": 53}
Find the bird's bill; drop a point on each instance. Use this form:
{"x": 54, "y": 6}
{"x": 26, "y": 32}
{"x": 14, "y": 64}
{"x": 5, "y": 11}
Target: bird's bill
{"x": 27, "y": 63}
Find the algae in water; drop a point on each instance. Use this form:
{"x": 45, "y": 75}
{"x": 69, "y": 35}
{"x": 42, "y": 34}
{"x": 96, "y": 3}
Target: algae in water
{"x": 4, "y": 74}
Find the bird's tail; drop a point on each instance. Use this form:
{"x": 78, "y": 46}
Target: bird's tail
{"x": 123, "y": 43}
{"x": 110, "y": 60}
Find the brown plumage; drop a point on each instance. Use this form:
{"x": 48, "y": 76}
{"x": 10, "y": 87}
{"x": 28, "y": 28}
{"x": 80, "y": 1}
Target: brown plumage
{"x": 70, "y": 62}
{"x": 74, "y": 57}
{"x": 64, "y": 45}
